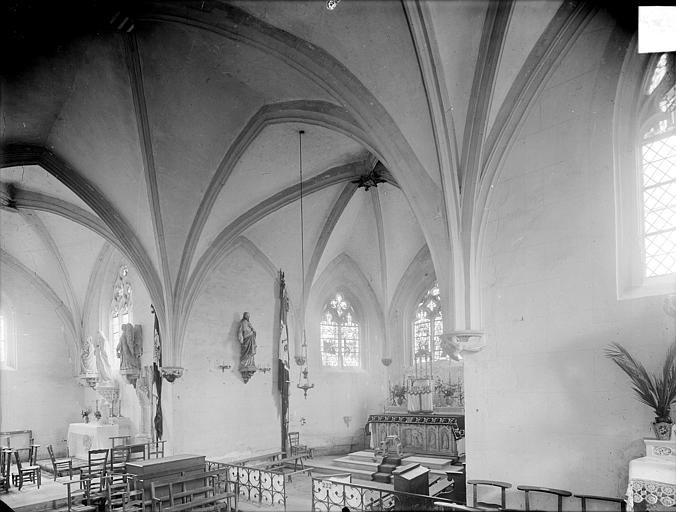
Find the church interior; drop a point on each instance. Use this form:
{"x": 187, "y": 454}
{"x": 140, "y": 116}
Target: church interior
{"x": 384, "y": 247}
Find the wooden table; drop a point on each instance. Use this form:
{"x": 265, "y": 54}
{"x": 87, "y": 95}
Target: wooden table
{"x": 150, "y": 470}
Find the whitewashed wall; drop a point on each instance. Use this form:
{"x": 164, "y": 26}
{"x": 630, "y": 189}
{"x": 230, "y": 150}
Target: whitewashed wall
{"x": 215, "y": 413}
{"x": 41, "y": 394}
{"x": 544, "y": 406}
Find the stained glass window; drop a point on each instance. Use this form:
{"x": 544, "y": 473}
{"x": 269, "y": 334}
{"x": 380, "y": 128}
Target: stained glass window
{"x": 339, "y": 334}
{"x": 428, "y": 325}
{"x": 658, "y": 165}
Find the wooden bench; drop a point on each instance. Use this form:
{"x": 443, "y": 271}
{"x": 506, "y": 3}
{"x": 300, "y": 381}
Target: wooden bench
{"x": 258, "y": 459}
{"x": 193, "y": 492}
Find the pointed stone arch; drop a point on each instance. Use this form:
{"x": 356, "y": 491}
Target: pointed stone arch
{"x": 344, "y": 274}
{"x": 418, "y": 277}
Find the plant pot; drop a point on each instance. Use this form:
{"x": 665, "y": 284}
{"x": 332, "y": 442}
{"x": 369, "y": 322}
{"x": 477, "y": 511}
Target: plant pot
{"x": 662, "y": 430}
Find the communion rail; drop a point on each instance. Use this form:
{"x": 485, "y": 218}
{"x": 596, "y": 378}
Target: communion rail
{"x": 262, "y": 486}
{"x": 330, "y": 495}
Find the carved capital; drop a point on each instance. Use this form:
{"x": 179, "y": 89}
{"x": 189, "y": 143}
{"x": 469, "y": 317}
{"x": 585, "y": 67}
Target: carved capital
{"x": 171, "y": 373}
{"x": 300, "y": 360}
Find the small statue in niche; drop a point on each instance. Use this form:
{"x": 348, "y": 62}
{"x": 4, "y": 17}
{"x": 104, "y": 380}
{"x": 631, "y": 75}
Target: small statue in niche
{"x": 246, "y": 335}
{"x": 87, "y": 357}
{"x": 129, "y": 350}
{"x": 101, "y": 353}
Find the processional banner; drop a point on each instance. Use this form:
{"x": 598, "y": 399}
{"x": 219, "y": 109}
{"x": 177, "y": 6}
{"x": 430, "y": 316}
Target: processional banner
{"x": 283, "y": 364}
{"x": 157, "y": 376}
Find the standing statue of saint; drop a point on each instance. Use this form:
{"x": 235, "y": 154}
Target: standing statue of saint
{"x": 101, "y": 353}
{"x": 87, "y": 358}
{"x": 246, "y": 335}
{"x": 129, "y": 350}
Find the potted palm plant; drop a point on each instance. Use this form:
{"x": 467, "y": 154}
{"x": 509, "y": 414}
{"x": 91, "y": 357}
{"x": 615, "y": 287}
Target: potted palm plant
{"x": 656, "y": 391}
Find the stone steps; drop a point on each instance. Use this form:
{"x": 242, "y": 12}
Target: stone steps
{"x": 328, "y": 469}
{"x": 364, "y": 465}
{"x": 429, "y": 462}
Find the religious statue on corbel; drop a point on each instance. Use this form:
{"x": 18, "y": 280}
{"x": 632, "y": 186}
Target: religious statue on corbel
{"x": 246, "y": 335}
{"x": 454, "y": 343}
{"x": 129, "y": 351}
{"x": 87, "y": 376}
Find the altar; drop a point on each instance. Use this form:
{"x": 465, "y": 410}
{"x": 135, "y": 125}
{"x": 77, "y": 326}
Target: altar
{"x": 435, "y": 434}
{"x": 652, "y": 479}
{"x": 83, "y": 437}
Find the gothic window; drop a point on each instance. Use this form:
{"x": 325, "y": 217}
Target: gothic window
{"x": 121, "y": 305}
{"x": 657, "y": 155}
{"x": 428, "y": 325}
{"x": 339, "y": 333}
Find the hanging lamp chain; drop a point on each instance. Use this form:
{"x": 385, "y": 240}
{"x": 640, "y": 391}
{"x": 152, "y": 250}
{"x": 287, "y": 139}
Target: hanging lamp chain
{"x": 302, "y": 233}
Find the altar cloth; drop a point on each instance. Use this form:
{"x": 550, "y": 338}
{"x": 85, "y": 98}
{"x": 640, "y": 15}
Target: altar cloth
{"x": 652, "y": 479}
{"x": 83, "y": 437}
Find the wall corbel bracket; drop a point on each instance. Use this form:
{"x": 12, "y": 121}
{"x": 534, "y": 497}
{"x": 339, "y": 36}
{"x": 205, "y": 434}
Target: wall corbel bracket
{"x": 171, "y": 373}
{"x": 454, "y": 343}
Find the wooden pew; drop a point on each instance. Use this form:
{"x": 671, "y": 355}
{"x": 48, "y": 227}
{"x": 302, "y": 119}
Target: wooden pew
{"x": 190, "y": 492}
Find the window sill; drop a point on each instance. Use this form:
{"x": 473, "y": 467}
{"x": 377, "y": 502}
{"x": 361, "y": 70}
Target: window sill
{"x": 651, "y": 287}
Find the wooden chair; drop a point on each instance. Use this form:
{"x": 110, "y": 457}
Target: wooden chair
{"x": 156, "y": 449}
{"x": 136, "y": 451}
{"x": 606, "y": 499}
{"x": 484, "y": 505}
{"x": 95, "y": 471}
{"x": 5, "y": 465}
{"x": 120, "y": 496}
{"x": 31, "y": 472}
{"x": 367, "y": 436}
{"x": 78, "y": 499}
{"x": 119, "y": 455}
{"x": 119, "y": 440}
{"x": 297, "y": 451}
{"x": 60, "y": 465}
{"x": 560, "y": 494}
{"x": 33, "y": 454}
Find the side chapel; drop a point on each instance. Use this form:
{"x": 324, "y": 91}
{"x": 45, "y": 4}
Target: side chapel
{"x": 381, "y": 227}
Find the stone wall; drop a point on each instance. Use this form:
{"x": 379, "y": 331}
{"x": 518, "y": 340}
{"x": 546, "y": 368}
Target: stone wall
{"x": 544, "y": 406}
{"x": 41, "y": 394}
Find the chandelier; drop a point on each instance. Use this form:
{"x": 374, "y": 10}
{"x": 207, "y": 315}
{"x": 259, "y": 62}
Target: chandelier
{"x": 303, "y": 380}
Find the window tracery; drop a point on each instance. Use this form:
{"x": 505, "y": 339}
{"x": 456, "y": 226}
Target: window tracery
{"x": 428, "y": 326}
{"x": 339, "y": 334}
{"x": 121, "y": 305}
{"x": 657, "y": 143}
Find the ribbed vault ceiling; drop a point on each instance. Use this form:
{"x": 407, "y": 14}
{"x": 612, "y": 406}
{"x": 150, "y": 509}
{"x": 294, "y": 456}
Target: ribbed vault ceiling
{"x": 188, "y": 126}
